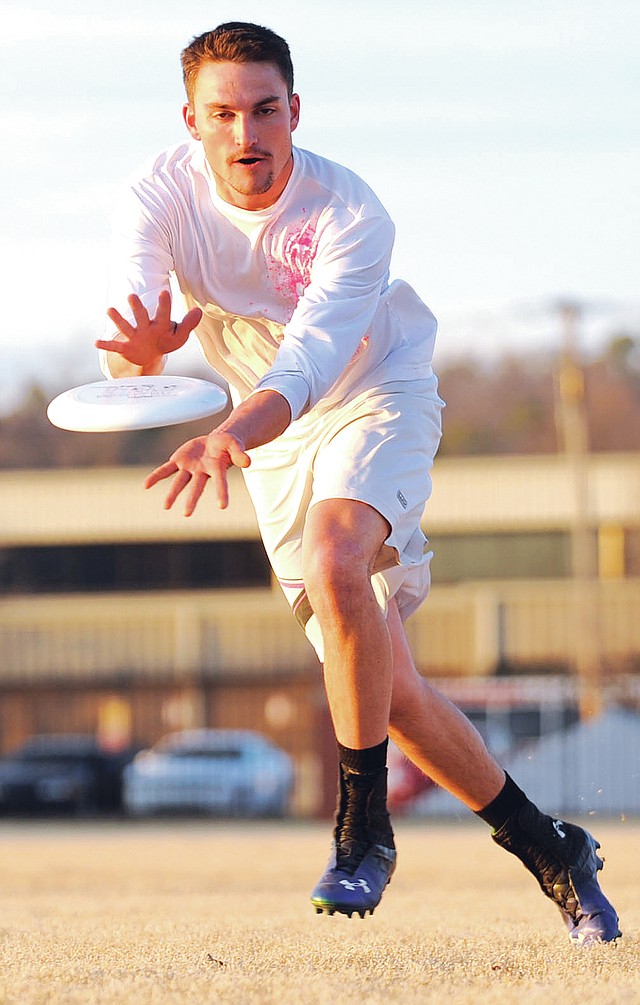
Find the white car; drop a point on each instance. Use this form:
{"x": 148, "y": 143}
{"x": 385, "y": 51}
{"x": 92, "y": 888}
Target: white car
{"x": 231, "y": 772}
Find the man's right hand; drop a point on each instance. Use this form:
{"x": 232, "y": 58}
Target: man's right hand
{"x": 144, "y": 344}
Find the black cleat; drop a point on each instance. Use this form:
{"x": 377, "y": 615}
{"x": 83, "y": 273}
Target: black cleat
{"x": 354, "y": 891}
{"x": 563, "y": 859}
{"x": 363, "y": 855}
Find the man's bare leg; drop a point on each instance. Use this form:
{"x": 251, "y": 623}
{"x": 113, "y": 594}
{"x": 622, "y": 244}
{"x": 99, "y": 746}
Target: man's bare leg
{"x": 562, "y": 857}
{"x": 434, "y": 734}
{"x": 342, "y": 540}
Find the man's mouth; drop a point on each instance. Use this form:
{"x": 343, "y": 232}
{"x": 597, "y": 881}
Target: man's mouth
{"x": 249, "y": 160}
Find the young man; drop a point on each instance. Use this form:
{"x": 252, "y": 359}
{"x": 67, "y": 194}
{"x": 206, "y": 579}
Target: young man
{"x": 283, "y": 259}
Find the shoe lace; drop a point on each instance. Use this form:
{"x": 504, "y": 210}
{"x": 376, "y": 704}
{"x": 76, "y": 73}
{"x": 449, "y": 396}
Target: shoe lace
{"x": 555, "y": 880}
{"x": 362, "y": 819}
{"x": 350, "y": 834}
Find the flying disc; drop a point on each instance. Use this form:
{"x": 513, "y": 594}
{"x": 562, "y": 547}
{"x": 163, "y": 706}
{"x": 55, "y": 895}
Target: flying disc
{"x": 106, "y": 406}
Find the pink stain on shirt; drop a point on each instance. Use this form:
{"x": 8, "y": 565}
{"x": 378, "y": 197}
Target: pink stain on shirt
{"x": 291, "y": 270}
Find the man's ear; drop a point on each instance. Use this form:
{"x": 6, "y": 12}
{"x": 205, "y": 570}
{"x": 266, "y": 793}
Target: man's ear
{"x": 189, "y": 117}
{"x": 294, "y": 111}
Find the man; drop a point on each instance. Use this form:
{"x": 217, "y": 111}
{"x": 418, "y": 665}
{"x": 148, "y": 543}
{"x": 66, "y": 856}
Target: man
{"x": 283, "y": 259}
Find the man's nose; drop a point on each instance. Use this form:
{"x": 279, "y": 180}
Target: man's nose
{"x": 245, "y": 132}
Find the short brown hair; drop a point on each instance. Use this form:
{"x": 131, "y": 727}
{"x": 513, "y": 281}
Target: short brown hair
{"x": 236, "y": 42}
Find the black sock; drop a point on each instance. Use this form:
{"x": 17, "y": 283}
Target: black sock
{"x": 369, "y": 761}
{"x": 507, "y": 802}
{"x": 363, "y": 776}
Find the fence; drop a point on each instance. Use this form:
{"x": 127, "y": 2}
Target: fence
{"x": 463, "y": 629}
{"x": 128, "y": 669}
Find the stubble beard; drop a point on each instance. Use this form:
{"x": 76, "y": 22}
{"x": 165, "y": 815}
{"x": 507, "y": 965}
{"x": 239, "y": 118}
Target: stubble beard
{"x": 248, "y": 188}
{"x": 256, "y": 188}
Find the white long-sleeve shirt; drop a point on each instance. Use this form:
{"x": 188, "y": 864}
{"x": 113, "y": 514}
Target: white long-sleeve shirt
{"x": 295, "y": 297}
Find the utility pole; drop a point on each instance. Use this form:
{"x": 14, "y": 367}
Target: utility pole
{"x": 573, "y": 434}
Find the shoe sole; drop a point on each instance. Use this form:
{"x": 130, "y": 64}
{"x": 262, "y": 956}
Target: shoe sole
{"x": 348, "y": 912}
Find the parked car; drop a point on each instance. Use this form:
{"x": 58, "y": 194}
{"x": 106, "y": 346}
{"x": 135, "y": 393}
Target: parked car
{"x": 65, "y": 772}
{"x": 216, "y": 771}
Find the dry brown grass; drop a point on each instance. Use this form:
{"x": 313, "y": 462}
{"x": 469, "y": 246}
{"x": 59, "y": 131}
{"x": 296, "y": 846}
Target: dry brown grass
{"x": 199, "y": 913}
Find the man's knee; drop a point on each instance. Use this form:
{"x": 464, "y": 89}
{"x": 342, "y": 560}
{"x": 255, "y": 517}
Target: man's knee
{"x": 332, "y": 573}
{"x": 341, "y": 542}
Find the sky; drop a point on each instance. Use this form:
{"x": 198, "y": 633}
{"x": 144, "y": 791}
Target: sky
{"x": 503, "y": 139}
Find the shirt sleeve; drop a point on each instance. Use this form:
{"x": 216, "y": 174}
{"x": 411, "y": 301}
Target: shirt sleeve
{"x": 350, "y": 270}
{"x": 141, "y": 259}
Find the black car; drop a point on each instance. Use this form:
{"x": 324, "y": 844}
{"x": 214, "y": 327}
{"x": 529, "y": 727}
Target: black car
{"x": 62, "y": 773}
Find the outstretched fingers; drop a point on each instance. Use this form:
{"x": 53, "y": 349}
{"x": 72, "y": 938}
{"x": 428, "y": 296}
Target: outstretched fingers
{"x": 196, "y": 481}
{"x": 197, "y": 487}
{"x": 179, "y": 483}
{"x": 139, "y": 311}
{"x": 163, "y": 309}
{"x": 194, "y": 463}
{"x": 163, "y": 471}
{"x": 123, "y": 326}
{"x": 190, "y": 321}
{"x": 111, "y": 345}
{"x": 221, "y": 487}
{"x": 145, "y": 339}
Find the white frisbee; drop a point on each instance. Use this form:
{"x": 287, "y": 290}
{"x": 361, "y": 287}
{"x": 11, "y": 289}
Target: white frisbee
{"x": 107, "y": 406}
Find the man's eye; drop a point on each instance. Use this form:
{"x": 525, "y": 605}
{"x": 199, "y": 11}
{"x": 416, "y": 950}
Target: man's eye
{"x": 267, "y": 111}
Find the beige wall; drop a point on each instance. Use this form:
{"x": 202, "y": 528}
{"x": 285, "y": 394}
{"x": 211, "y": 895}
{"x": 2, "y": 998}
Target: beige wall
{"x": 479, "y": 493}
{"x": 469, "y": 628}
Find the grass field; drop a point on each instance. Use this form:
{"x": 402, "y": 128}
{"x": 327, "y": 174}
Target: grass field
{"x": 207, "y": 912}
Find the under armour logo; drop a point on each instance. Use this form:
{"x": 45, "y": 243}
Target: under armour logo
{"x": 557, "y": 826}
{"x": 359, "y": 883}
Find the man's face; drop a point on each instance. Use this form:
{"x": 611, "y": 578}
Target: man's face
{"x": 244, "y": 117}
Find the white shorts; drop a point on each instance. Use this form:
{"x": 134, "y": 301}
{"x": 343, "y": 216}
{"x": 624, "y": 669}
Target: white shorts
{"x": 378, "y": 448}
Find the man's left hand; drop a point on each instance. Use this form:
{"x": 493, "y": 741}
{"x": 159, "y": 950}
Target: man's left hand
{"x": 194, "y": 463}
